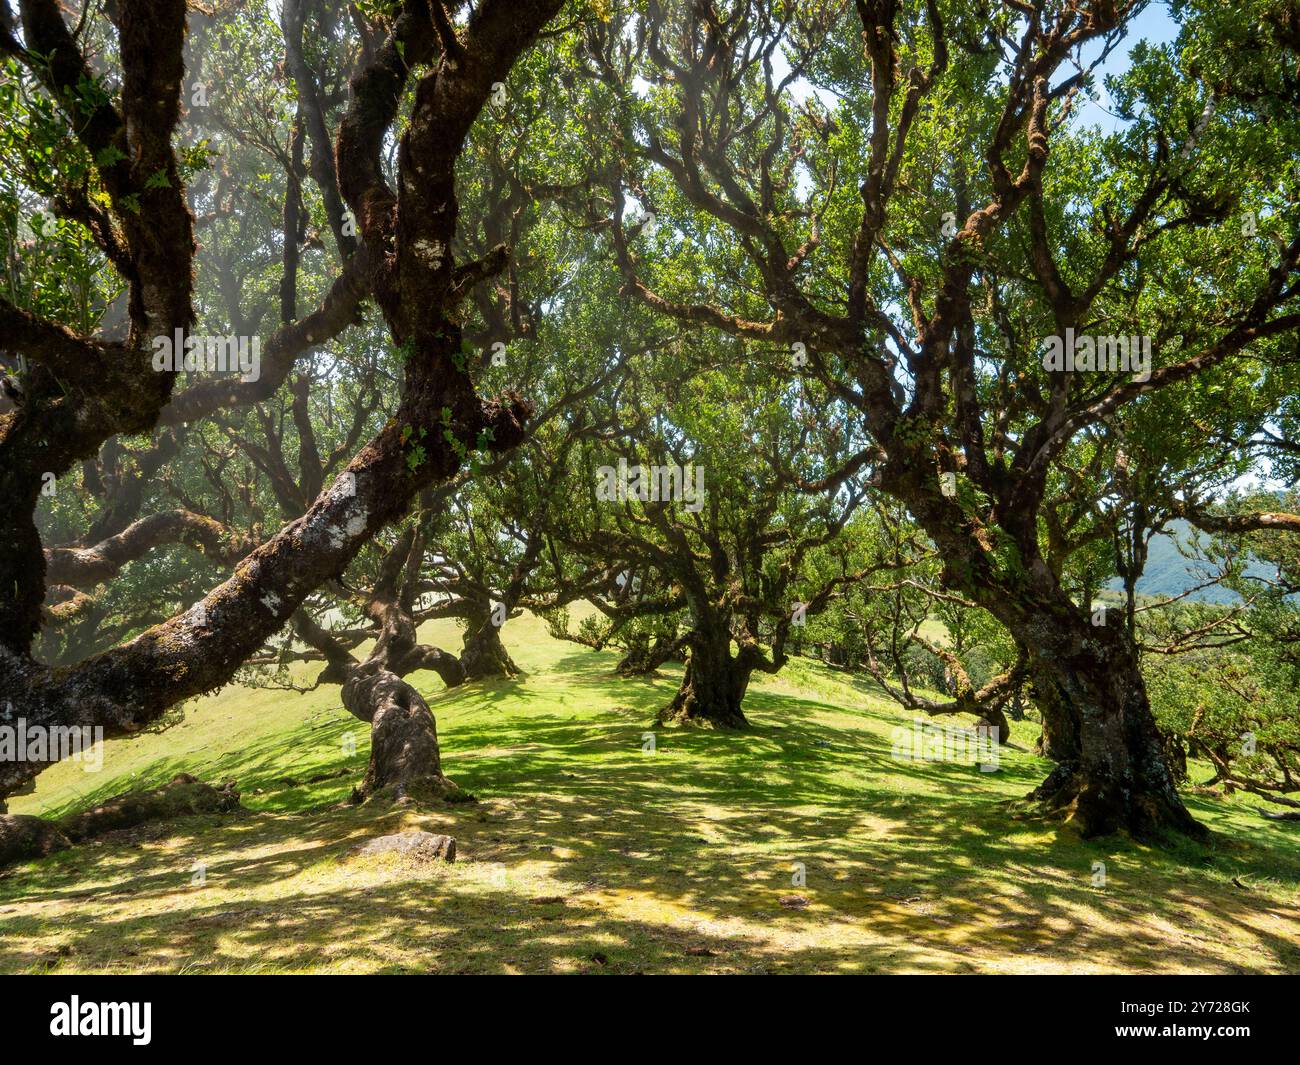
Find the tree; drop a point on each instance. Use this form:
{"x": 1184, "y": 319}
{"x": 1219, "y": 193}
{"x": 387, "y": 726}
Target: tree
{"x": 714, "y": 496}
{"x": 920, "y": 240}
{"x": 1226, "y": 677}
{"x": 973, "y": 662}
{"x": 126, "y": 188}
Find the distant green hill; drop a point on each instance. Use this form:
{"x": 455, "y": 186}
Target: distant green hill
{"x": 1169, "y": 572}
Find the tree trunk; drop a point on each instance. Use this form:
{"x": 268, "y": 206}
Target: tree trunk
{"x": 422, "y": 656}
{"x": 483, "y": 655}
{"x": 643, "y": 657}
{"x": 404, "y": 756}
{"x": 714, "y": 685}
{"x": 995, "y": 720}
{"x": 1111, "y": 770}
{"x": 1016, "y": 706}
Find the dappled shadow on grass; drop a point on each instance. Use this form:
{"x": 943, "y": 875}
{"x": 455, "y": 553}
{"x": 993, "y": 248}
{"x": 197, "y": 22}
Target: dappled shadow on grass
{"x": 144, "y": 913}
{"x": 951, "y": 876}
{"x": 714, "y": 822}
{"x": 591, "y": 853}
{"x": 410, "y": 926}
{"x": 905, "y": 892}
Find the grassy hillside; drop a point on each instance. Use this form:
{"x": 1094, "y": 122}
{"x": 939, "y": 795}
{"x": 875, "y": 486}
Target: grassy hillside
{"x": 585, "y": 853}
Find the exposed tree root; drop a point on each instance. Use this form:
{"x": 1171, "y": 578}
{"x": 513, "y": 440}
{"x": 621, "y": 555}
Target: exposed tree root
{"x": 23, "y": 837}
{"x": 1098, "y": 807}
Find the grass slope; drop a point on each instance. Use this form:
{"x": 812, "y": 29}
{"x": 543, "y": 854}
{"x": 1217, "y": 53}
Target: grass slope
{"x": 587, "y": 853}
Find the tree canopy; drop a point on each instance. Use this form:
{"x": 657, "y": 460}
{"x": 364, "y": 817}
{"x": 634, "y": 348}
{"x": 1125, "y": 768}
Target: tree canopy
{"x": 721, "y": 331}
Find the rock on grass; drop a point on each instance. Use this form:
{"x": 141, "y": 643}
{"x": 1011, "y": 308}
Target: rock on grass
{"x": 415, "y": 845}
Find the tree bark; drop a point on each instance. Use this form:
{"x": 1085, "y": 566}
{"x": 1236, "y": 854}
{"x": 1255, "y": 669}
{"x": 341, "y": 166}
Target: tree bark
{"x": 483, "y": 655}
{"x": 714, "y": 685}
{"x": 644, "y": 657}
{"x": 404, "y": 759}
{"x": 1111, "y": 771}
{"x": 995, "y": 719}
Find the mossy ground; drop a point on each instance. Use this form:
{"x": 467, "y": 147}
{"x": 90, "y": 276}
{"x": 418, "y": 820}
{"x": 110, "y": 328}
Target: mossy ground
{"x": 587, "y": 853}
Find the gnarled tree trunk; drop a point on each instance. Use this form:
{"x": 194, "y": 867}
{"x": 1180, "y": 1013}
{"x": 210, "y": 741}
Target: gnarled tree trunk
{"x": 714, "y": 685}
{"x": 1098, "y": 727}
{"x": 483, "y": 655}
{"x": 644, "y": 657}
{"x": 1111, "y": 770}
{"x": 81, "y": 392}
{"x": 404, "y": 757}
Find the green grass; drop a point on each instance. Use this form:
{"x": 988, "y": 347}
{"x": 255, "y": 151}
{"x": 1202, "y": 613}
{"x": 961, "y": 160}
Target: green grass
{"x": 585, "y": 853}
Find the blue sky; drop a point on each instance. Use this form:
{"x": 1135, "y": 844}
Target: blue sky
{"x": 1155, "y": 25}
